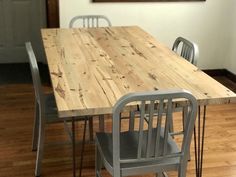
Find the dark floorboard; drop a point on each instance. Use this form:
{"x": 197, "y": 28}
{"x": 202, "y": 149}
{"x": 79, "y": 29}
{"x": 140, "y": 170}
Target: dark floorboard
{"x": 226, "y": 82}
{"x": 19, "y": 73}
{"x": 17, "y": 159}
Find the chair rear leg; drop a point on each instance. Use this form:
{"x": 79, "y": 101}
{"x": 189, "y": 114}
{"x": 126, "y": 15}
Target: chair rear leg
{"x": 185, "y": 114}
{"x": 40, "y": 148}
{"x": 171, "y": 127}
{"x": 98, "y": 162}
{"x": 131, "y": 120}
{"x": 101, "y": 123}
{"x": 159, "y": 174}
{"x": 182, "y": 169}
{"x": 36, "y": 127}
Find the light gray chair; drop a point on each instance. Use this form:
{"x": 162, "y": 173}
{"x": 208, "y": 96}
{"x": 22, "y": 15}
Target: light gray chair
{"x": 89, "y": 21}
{"x": 186, "y": 49}
{"x": 148, "y": 148}
{"x": 45, "y": 111}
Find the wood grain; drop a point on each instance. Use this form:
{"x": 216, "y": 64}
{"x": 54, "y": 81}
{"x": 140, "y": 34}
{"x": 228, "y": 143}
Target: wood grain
{"x": 92, "y": 68}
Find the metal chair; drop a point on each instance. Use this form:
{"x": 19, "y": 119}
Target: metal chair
{"x": 149, "y": 148}
{"x": 45, "y": 111}
{"x": 186, "y": 49}
{"x": 89, "y": 21}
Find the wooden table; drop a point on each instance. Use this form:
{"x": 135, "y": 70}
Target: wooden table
{"x": 92, "y": 68}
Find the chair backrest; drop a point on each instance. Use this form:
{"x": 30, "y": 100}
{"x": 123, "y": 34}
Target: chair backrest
{"x": 89, "y": 21}
{"x": 153, "y": 139}
{"x": 39, "y": 96}
{"x": 186, "y": 49}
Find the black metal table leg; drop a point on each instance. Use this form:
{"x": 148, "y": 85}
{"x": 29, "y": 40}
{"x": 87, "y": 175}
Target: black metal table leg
{"x": 199, "y": 141}
{"x": 73, "y": 147}
{"x": 203, "y": 136}
{"x": 82, "y": 149}
{"x": 195, "y": 150}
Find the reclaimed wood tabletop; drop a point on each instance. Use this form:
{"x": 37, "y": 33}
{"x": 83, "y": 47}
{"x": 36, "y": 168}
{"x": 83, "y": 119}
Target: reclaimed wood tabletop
{"x": 91, "y": 68}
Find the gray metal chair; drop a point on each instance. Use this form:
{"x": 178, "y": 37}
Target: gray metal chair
{"x": 186, "y": 49}
{"x": 45, "y": 111}
{"x": 89, "y": 21}
{"x": 148, "y": 148}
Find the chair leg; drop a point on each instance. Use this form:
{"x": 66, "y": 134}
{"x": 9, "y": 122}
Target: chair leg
{"x": 164, "y": 174}
{"x": 131, "y": 120}
{"x": 182, "y": 173}
{"x": 90, "y": 128}
{"x": 67, "y": 129}
{"x": 40, "y": 147}
{"x": 182, "y": 169}
{"x": 36, "y": 127}
{"x": 98, "y": 162}
{"x": 159, "y": 174}
{"x": 171, "y": 127}
{"x": 185, "y": 114}
{"x": 101, "y": 123}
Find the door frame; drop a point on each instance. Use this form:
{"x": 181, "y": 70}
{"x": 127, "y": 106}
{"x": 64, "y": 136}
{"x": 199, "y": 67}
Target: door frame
{"x": 52, "y": 13}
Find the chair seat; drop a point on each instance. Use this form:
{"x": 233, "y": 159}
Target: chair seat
{"x": 128, "y": 148}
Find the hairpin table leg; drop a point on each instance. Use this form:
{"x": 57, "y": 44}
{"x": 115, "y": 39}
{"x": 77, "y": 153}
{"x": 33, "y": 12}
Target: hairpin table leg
{"x": 73, "y": 147}
{"x": 82, "y": 148}
{"x": 199, "y": 141}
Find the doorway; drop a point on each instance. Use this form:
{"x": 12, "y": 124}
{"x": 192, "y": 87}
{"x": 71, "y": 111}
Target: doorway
{"x": 52, "y": 7}
{"x": 21, "y": 21}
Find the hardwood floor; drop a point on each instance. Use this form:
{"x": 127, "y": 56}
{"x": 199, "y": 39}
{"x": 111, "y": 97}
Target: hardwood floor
{"x": 225, "y": 81}
{"x": 17, "y": 159}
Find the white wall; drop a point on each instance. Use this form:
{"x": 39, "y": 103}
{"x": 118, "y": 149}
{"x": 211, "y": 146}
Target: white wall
{"x": 206, "y": 23}
{"x": 230, "y": 62}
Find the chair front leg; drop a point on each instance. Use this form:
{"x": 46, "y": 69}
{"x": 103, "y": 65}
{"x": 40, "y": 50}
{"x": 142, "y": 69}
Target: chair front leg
{"x": 159, "y": 174}
{"x": 98, "y": 162}
{"x": 36, "y": 127}
{"x": 40, "y": 151}
{"x": 101, "y": 123}
{"x": 182, "y": 169}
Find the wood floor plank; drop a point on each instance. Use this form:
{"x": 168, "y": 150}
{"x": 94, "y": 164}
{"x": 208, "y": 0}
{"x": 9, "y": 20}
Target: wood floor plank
{"x": 17, "y": 159}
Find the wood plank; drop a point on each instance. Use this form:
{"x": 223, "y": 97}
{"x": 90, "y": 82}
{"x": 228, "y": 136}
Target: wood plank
{"x": 92, "y": 68}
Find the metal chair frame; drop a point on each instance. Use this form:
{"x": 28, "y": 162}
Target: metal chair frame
{"x": 45, "y": 112}
{"x": 189, "y": 50}
{"x": 150, "y": 150}
{"x": 89, "y": 21}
